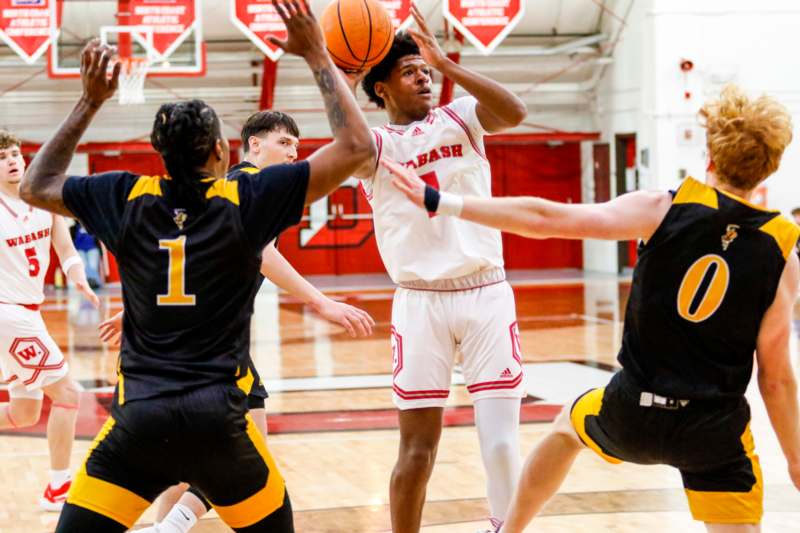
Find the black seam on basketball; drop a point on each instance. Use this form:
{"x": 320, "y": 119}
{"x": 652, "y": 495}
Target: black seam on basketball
{"x": 342, "y": 62}
{"x": 369, "y": 41}
{"x": 344, "y": 33}
{"x": 388, "y": 43}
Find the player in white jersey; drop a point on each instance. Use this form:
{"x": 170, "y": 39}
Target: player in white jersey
{"x": 452, "y": 294}
{"x": 31, "y": 363}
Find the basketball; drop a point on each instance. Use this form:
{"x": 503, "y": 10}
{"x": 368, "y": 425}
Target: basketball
{"x": 358, "y": 33}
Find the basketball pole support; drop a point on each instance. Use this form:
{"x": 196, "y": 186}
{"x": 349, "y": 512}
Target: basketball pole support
{"x": 269, "y": 75}
{"x": 446, "y": 95}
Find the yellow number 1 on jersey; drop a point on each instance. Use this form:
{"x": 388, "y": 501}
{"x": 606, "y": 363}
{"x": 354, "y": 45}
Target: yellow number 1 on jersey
{"x": 176, "y": 280}
{"x": 714, "y": 292}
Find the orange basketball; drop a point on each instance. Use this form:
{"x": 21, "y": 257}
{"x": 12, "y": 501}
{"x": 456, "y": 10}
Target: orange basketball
{"x": 358, "y": 33}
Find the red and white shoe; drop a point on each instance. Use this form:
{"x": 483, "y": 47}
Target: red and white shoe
{"x": 53, "y": 499}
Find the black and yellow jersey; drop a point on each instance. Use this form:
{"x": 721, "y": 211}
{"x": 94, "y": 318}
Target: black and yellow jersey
{"x": 700, "y": 289}
{"x": 188, "y": 279}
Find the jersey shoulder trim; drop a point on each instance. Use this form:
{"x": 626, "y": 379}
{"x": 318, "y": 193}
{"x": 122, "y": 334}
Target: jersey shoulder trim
{"x": 692, "y": 191}
{"x": 249, "y": 170}
{"x": 785, "y": 233}
{"x": 145, "y": 185}
{"x": 226, "y": 189}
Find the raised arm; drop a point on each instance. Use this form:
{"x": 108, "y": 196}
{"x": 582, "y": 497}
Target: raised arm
{"x": 631, "y": 216}
{"x": 776, "y": 378}
{"x": 352, "y": 141}
{"x": 498, "y": 108}
{"x": 44, "y": 180}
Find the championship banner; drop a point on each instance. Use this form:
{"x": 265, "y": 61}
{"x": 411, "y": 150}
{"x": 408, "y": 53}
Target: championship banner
{"x": 257, "y": 19}
{"x": 25, "y": 27}
{"x": 400, "y": 11}
{"x": 172, "y": 21}
{"x": 484, "y": 22}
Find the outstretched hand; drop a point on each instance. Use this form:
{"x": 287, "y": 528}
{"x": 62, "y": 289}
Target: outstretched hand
{"x": 98, "y": 86}
{"x": 406, "y": 181}
{"x": 111, "y": 330}
{"x": 429, "y": 47}
{"x": 304, "y": 36}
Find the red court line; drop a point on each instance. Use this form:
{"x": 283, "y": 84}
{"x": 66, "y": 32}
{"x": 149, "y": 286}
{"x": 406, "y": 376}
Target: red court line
{"x": 94, "y": 410}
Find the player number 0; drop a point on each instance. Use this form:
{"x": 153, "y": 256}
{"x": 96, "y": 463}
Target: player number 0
{"x": 176, "y": 279}
{"x": 714, "y": 292}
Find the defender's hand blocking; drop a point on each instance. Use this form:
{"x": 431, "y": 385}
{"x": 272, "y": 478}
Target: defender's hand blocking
{"x": 304, "y": 34}
{"x": 97, "y": 85}
{"x": 111, "y": 329}
{"x": 357, "y": 322}
{"x": 429, "y": 47}
{"x": 406, "y": 181}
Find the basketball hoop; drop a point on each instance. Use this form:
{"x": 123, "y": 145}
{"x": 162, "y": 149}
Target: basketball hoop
{"x": 131, "y": 80}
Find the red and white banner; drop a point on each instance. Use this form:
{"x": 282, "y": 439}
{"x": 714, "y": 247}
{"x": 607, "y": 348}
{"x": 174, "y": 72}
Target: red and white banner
{"x": 172, "y": 21}
{"x": 25, "y": 27}
{"x": 257, "y": 19}
{"x": 484, "y": 22}
{"x": 400, "y": 11}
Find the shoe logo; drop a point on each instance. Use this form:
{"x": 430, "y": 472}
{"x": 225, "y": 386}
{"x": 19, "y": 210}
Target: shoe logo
{"x": 179, "y": 217}
{"x": 417, "y": 131}
{"x": 506, "y": 373}
{"x": 730, "y": 235}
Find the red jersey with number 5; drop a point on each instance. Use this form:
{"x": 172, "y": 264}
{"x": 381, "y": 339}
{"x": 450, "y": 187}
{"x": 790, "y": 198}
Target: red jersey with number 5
{"x": 446, "y": 150}
{"x": 24, "y": 251}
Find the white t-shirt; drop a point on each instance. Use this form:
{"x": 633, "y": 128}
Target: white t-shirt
{"x": 446, "y": 150}
{"x": 24, "y": 251}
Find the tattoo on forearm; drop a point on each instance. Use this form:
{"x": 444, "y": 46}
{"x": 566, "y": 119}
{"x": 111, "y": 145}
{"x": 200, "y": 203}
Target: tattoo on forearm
{"x": 332, "y": 98}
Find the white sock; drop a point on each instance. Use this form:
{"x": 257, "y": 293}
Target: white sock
{"x": 59, "y": 477}
{"x": 497, "y": 420}
{"x": 180, "y": 519}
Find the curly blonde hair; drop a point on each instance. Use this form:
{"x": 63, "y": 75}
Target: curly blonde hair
{"x": 8, "y": 139}
{"x": 746, "y": 138}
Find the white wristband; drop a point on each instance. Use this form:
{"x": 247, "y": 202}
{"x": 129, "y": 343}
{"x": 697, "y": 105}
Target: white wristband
{"x": 71, "y": 262}
{"x": 450, "y": 204}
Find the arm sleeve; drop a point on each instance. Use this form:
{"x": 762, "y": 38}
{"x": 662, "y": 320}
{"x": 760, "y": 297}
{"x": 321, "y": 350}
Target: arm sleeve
{"x": 465, "y": 109}
{"x": 273, "y": 200}
{"x": 98, "y": 202}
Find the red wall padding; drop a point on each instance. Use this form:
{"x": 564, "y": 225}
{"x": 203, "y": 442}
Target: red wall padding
{"x": 547, "y": 171}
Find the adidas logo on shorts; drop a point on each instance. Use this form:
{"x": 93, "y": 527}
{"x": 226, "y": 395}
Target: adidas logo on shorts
{"x": 506, "y": 373}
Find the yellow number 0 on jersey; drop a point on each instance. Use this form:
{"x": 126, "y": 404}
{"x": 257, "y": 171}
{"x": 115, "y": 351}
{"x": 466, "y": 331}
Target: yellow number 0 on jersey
{"x": 176, "y": 281}
{"x": 715, "y": 292}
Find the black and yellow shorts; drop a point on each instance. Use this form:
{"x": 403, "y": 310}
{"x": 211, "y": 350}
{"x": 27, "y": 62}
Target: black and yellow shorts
{"x": 203, "y": 437}
{"x": 708, "y": 441}
{"x": 257, "y": 395}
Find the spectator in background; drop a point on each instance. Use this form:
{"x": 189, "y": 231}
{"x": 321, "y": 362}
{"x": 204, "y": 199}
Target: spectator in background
{"x": 89, "y": 251}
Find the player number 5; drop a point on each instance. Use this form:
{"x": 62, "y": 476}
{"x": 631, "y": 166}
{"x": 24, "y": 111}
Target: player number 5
{"x": 714, "y": 291}
{"x": 176, "y": 279}
{"x": 33, "y": 262}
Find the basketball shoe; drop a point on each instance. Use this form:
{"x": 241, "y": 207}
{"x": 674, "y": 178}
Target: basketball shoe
{"x": 53, "y": 499}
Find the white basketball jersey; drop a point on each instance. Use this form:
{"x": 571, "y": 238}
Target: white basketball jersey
{"x": 24, "y": 251}
{"x": 446, "y": 150}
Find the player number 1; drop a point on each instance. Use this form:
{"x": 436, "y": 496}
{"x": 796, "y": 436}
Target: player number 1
{"x": 176, "y": 279}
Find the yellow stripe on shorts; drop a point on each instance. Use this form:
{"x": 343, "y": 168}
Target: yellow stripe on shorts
{"x": 265, "y": 501}
{"x": 589, "y": 405}
{"x": 112, "y": 501}
{"x": 732, "y": 507}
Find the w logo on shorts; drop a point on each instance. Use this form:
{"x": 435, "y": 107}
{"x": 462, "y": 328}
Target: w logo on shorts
{"x": 29, "y": 352}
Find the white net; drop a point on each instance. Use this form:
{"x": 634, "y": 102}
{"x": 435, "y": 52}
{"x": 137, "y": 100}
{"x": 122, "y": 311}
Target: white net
{"x": 131, "y": 80}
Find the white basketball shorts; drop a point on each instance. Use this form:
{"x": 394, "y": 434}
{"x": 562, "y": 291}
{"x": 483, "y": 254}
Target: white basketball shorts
{"x": 29, "y": 358}
{"x": 428, "y": 328}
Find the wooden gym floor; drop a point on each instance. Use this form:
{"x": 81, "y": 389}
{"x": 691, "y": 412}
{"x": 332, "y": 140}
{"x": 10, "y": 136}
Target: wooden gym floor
{"x": 333, "y": 427}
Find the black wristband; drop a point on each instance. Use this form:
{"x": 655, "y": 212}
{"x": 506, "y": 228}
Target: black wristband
{"x": 432, "y": 198}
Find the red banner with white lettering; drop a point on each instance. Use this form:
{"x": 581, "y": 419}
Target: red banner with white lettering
{"x": 171, "y": 20}
{"x": 258, "y": 20}
{"x": 25, "y": 27}
{"x": 484, "y": 22}
{"x": 400, "y": 11}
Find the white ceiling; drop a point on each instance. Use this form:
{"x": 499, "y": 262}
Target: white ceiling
{"x": 553, "y": 60}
